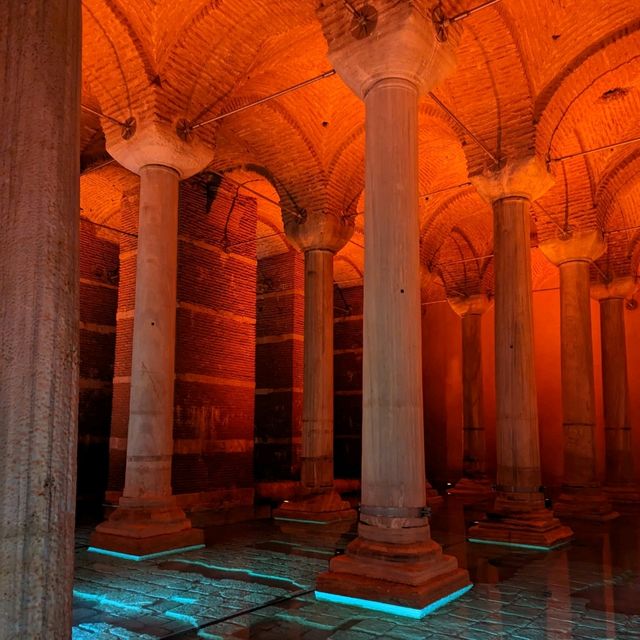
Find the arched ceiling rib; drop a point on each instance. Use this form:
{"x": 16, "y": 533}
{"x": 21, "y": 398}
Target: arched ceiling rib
{"x": 555, "y": 76}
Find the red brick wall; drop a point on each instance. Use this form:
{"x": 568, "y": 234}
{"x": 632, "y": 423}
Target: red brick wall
{"x": 347, "y": 382}
{"x": 98, "y": 297}
{"x": 215, "y": 346}
{"x": 279, "y": 373}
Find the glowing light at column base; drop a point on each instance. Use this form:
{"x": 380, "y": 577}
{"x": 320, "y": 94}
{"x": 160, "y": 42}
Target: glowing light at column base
{"x": 520, "y": 545}
{"x": 281, "y": 519}
{"x": 148, "y": 556}
{"x": 394, "y": 609}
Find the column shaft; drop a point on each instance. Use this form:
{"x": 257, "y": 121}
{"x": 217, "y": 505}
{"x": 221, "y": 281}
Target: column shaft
{"x": 518, "y": 449}
{"x": 578, "y": 393}
{"x": 474, "y": 460}
{"x": 148, "y": 519}
{"x": 393, "y": 472}
{"x": 619, "y": 454}
{"x": 519, "y": 515}
{"x": 317, "y": 411}
{"x": 40, "y": 44}
{"x": 150, "y": 436}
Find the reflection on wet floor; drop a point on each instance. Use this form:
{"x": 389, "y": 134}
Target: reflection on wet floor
{"x": 255, "y": 580}
{"x": 291, "y": 548}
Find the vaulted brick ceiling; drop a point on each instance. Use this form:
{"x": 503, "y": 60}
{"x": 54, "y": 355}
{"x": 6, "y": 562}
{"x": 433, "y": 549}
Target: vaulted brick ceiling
{"x": 554, "y": 76}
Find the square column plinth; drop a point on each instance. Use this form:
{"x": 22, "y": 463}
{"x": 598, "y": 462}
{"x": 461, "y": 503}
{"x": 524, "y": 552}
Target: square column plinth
{"x": 135, "y": 532}
{"x": 321, "y": 509}
{"x": 521, "y": 521}
{"x": 411, "y": 580}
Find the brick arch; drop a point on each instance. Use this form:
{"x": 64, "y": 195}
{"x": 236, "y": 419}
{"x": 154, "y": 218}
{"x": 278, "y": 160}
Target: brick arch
{"x": 544, "y": 274}
{"x": 118, "y": 79}
{"x": 606, "y": 59}
{"x": 232, "y": 56}
{"x": 456, "y": 240}
{"x": 461, "y": 271}
{"x": 270, "y": 236}
{"x": 581, "y": 116}
{"x": 345, "y": 171}
{"x": 347, "y": 270}
{"x": 101, "y": 193}
{"x": 443, "y": 162}
{"x": 492, "y": 71}
{"x": 618, "y": 211}
{"x": 255, "y": 146}
{"x": 622, "y": 175}
{"x": 443, "y": 214}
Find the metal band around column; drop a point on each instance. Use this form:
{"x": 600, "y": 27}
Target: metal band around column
{"x": 395, "y": 512}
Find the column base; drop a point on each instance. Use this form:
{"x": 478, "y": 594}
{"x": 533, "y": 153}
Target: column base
{"x": 521, "y": 520}
{"x": 404, "y": 579}
{"x": 472, "y": 488}
{"x": 584, "y": 503}
{"x": 321, "y": 509}
{"x": 434, "y": 499}
{"x": 623, "y": 494}
{"x": 139, "y": 529}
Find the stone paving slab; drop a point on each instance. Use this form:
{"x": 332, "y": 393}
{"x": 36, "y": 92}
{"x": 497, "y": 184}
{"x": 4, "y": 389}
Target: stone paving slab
{"x": 518, "y": 595}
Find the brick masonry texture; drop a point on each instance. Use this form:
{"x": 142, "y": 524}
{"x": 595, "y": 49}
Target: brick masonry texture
{"x": 279, "y": 366}
{"x": 98, "y": 299}
{"x": 215, "y": 340}
{"x": 347, "y": 374}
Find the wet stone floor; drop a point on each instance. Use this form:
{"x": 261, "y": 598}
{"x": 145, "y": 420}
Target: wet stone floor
{"x": 255, "y": 581}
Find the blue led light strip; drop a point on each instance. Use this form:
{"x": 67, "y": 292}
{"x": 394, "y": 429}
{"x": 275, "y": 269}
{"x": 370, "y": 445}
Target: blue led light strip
{"x": 305, "y": 521}
{"x": 520, "y": 545}
{"x": 149, "y": 556}
{"x": 393, "y": 609}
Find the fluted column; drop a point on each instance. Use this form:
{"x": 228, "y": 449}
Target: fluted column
{"x": 474, "y": 462}
{"x": 393, "y": 559}
{"x": 582, "y": 496}
{"x": 148, "y": 519}
{"x": 519, "y": 515}
{"x": 320, "y": 236}
{"x": 620, "y": 484}
{"x": 40, "y": 47}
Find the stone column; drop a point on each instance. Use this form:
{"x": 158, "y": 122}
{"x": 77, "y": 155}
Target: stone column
{"x": 620, "y": 483}
{"x": 393, "y": 559}
{"x": 475, "y": 482}
{"x": 148, "y": 519}
{"x": 582, "y": 496}
{"x": 519, "y": 515}
{"x": 320, "y": 236}
{"x": 39, "y": 218}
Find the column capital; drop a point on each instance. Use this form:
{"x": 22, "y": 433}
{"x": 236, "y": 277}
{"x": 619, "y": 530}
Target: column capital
{"x": 388, "y": 39}
{"x": 620, "y": 288}
{"x": 525, "y": 177}
{"x": 319, "y": 231}
{"x": 474, "y": 305}
{"x": 158, "y": 143}
{"x": 576, "y": 246}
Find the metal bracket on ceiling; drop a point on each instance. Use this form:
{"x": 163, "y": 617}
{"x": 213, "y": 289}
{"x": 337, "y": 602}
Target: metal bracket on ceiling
{"x": 440, "y": 23}
{"x": 184, "y": 129}
{"x": 128, "y": 128}
{"x": 364, "y": 21}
